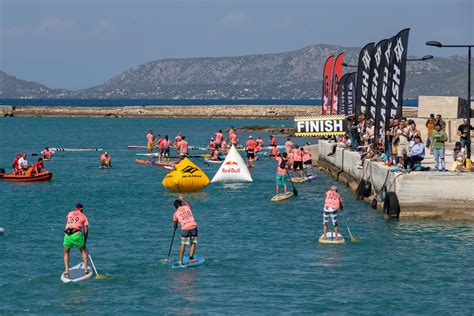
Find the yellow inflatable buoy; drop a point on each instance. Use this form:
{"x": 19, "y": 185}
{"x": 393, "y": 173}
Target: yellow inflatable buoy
{"x": 186, "y": 177}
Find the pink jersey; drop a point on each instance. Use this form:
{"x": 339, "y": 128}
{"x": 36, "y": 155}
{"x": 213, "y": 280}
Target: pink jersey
{"x": 297, "y": 155}
{"x": 177, "y": 140}
{"x": 219, "y": 138}
{"x": 75, "y": 219}
{"x": 160, "y": 143}
{"x": 288, "y": 145}
{"x": 150, "y": 138}
{"x": 166, "y": 143}
{"x": 275, "y": 151}
{"x": 183, "y": 147}
{"x": 212, "y": 144}
{"x": 233, "y": 138}
{"x": 185, "y": 217}
{"x": 280, "y": 170}
{"x": 333, "y": 200}
{"x": 306, "y": 156}
{"x": 223, "y": 144}
{"x": 291, "y": 158}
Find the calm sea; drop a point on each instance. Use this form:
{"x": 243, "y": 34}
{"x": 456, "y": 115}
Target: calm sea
{"x": 262, "y": 257}
{"x": 143, "y": 102}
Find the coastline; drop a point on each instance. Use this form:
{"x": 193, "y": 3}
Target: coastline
{"x": 276, "y": 112}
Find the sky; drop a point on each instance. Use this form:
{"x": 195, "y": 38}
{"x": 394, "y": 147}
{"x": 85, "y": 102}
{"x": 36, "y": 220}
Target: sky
{"x": 74, "y": 44}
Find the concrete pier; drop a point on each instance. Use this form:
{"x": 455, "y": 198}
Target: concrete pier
{"x": 421, "y": 194}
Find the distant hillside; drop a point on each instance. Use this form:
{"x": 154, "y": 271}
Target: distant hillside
{"x": 290, "y": 75}
{"x": 11, "y": 87}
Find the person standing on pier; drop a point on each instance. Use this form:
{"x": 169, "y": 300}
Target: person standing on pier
{"x": 439, "y": 139}
{"x": 463, "y": 131}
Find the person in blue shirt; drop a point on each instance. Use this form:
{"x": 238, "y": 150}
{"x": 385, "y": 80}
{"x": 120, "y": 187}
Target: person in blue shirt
{"x": 416, "y": 155}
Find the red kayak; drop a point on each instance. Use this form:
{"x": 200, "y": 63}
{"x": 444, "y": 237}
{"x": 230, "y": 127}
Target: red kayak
{"x": 28, "y": 177}
{"x": 156, "y": 163}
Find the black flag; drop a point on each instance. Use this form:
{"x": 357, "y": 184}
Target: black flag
{"x": 350, "y": 95}
{"x": 362, "y": 88}
{"x": 374, "y": 79}
{"x": 397, "y": 72}
{"x": 342, "y": 95}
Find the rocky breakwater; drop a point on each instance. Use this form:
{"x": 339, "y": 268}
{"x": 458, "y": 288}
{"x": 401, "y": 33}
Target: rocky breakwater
{"x": 283, "y": 112}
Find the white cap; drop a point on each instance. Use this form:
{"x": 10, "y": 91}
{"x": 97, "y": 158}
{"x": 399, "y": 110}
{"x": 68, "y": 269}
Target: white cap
{"x": 250, "y": 136}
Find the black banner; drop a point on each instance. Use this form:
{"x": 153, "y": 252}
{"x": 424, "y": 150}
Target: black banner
{"x": 362, "y": 88}
{"x": 397, "y": 72}
{"x": 374, "y": 79}
{"x": 341, "y": 95}
{"x": 350, "y": 95}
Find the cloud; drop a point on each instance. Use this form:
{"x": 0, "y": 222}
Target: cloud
{"x": 235, "y": 18}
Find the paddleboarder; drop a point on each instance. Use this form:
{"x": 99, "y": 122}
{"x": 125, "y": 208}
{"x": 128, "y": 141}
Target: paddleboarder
{"x": 250, "y": 148}
{"x": 219, "y": 138}
{"x": 332, "y": 204}
{"x": 189, "y": 232}
{"x": 105, "y": 160}
{"x": 166, "y": 148}
{"x": 183, "y": 147}
{"x": 75, "y": 235}
{"x": 281, "y": 172}
{"x": 47, "y": 154}
{"x": 150, "y": 138}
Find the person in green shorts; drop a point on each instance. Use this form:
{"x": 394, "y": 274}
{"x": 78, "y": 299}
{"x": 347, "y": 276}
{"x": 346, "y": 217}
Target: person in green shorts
{"x": 281, "y": 172}
{"x": 75, "y": 235}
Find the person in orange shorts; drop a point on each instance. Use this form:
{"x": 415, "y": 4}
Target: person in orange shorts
{"x": 332, "y": 204}
{"x": 189, "y": 232}
{"x": 150, "y": 139}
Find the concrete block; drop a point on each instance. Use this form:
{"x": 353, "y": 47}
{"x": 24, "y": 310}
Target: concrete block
{"x": 448, "y": 107}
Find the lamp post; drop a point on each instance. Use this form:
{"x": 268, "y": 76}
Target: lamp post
{"x": 468, "y": 111}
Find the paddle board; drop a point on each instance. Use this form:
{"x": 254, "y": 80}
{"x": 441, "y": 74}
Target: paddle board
{"x": 331, "y": 238}
{"x": 209, "y": 160}
{"x": 2, "y": 231}
{"x": 305, "y": 179}
{"x": 74, "y": 149}
{"x": 168, "y": 167}
{"x": 76, "y": 274}
{"x": 198, "y": 260}
{"x": 281, "y": 197}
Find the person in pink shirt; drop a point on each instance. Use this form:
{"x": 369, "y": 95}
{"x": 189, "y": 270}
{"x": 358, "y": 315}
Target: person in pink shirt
{"x": 307, "y": 162}
{"x": 281, "y": 173}
{"x": 177, "y": 140}
{"x": 332, "y": 204}
{"x": 297, "y": 161}
{"x": 76, "y": 222}
{"x": 259, "y": 143}
{"x": 223, "y": 144}
{"x": 233, "y": 139}
{"x": 166, "y": 148}
{"x": 150, "y": 139}
{"x": 189, "y": 232}
{"x": 231, "y": 131}
{"x": 183, "y": 147}
{"x": 250, "y": 149}
{"x": 219, "y": 138}
{"x": 212, "y": 144}
{"x": 275, "y": 151}
{"x": 288, "y": 145}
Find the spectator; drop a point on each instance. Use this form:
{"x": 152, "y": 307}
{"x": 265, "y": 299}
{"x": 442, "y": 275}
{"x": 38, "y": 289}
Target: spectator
{"x": 412, "y": 133}
{"x": 430, "y": 125}
{"x": 393, "y": 134}
{"x": 402, "y": 135}
{"x": 369, "y": 133}
{"x": 388, "y": 142}
{"x": 417, "y": 153}
{"x": 459, "y": 158}
{"x": 353, "y": 132}
{"x": 463, "y": 131}
{"x": 439, "y": 139}
{"x": 440, "y": 121}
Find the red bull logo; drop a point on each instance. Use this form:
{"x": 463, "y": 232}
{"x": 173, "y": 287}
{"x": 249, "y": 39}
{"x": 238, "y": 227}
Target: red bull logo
{"x": 231, "y": 163}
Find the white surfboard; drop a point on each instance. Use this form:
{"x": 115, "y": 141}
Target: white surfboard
{"x": 76, "y": 274}
{"x": 233, "y": 169}
{"x": 331, "y": 238}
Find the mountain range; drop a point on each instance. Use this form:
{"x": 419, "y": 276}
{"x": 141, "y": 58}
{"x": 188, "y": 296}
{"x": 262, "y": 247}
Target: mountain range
{"x": 288, "y": 75}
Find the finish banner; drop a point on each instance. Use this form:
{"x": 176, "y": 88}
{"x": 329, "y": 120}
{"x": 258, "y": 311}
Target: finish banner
{"x": 349, "y": 84}
{"x": 362, "y": 88}
{"x": 374, "y": 79}
{"x": 320, "y": 125}
{"x": 336, "y": 76}
{"x": 327, "y": 83}
{"x": 342, "y": 95}
{"x": 397, "y": 72}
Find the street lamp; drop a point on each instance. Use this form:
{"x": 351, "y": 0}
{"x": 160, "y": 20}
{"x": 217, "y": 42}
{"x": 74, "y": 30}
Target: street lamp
{"x": 469, "y": 112}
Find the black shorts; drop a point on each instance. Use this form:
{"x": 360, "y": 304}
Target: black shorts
{"x": 297, "y": 165}
{"x": 189, "y": 233}
{"x": 308, "y": 163}
{"x": 218, "y": 145}
{"x": 250, "y": 154}
{"x": 166, "y": 152}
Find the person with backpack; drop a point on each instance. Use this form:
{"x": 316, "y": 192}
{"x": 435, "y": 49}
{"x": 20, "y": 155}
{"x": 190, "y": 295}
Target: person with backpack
{"x": 281, "y": 172}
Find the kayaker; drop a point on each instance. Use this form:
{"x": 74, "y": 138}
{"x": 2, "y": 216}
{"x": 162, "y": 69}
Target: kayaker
{"x": 219, "y": 138}
{"x": 250, "y": 149}
{"x": 282, "y": 164}
{"x": 105, "y": 160}
{"x": 183, "y": 147}
{"x": 38, "y": 166}
{"x": 297, "y": 161}
{"x": 332, "y": 204}
{"x": 15, "y": 165}
{"x": 166, "y": 147}
{"x": 75, "y": 235}
{"x": 150, "y": 138}
{"x": 189, "y": 232}
{"x": 177, "y": 140}
{"x": 47, "y": 153}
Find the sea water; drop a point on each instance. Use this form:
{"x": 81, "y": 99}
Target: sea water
{"x": 262, "y": 257}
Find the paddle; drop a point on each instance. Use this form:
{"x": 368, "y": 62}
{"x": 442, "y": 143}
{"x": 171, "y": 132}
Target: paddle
{"x": 295, "y": 193}
{"x": 97, "y": 275}
{"x": 353, "y": 238}
{"x": 171, "y": 246}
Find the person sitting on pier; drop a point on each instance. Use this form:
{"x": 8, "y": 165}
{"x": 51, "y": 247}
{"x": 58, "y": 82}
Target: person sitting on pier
{"x": 416, "y": 155}
{"x": 459, "y": 158}
{"x": 402, "y": 137}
